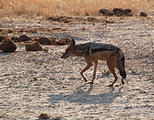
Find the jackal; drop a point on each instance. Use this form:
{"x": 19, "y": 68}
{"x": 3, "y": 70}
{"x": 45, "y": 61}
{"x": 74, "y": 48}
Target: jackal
{"x": 92, "y": 52}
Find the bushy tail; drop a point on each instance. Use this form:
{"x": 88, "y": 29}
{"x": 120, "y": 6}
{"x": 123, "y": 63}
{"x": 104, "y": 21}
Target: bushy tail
{"x": 122, "y": 64}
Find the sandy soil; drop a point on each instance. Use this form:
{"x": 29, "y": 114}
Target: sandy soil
{"x": 32, "y": 83}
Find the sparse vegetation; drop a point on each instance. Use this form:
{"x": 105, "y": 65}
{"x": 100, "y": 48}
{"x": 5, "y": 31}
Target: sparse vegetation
{"x": 67, "y": 7}
{"x": 137, "y": 72}
{"x": 105, "y": 73}
{"x": 134, "y": 71}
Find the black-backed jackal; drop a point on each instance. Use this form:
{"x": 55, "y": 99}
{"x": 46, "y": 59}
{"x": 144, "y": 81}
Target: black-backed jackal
{"x": 92, "y": 52}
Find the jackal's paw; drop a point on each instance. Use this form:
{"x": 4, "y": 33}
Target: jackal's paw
{"x": 110, "y": 85}
{"x": 85, "y": 79}
{"x": 122, "y": 82}
{"x": 90, "y": 83}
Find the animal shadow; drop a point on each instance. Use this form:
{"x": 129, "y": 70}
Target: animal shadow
{"x": 5, "y": 53}
{"x": 84, "y": 97}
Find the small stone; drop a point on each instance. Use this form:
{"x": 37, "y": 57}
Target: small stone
{"x": 24, "y": 38}
{"x": 143, "y": 14}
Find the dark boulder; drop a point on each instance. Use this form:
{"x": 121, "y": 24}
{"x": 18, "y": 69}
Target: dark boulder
{"x": 143, "y": 14}
{"x": 2, "y": 38}
{"x": 117, "y": 11}
{"x": 15, "y": 39}
{"x": 7, "y": 46}
{"x": 44, "y": 116}
{"x": 127, "y": 12}
{"x": 45, "y": 41}
{"x": 23, "y": 38}
{"x": 33, "y": 47}
{"x": 63, "y": 41}
{"x": 106, "y": 12}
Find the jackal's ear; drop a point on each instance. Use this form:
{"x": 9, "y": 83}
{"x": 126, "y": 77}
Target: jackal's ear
{"x": 72, "y": 43}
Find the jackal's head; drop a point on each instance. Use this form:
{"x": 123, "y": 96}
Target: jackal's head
{"x": 70, "y": 50}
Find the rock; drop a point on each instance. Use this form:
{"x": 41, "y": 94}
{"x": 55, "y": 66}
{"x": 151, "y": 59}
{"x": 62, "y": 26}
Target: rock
{"x": 143, "y": 14}
{"x": 103, "y": 11}
{"x": 1, "y": 30}
{"x": 44, "y": 116}
{"x": 86, "y": 14}
{"x": 2, "y": 38}
{"x": 53, "y": 18}
{"x": 126, "y": 11}
{"x": 46, "y": 41}
{"x": 117, "y": 11}
{"x": 10, "y": 31}
{"x": 24, "y": 38}
{"x": 15, "y": 39}
{"x": 8, "y": 46}
{"x": 91, "y": 19}
{"x": 106, "y": 12}
{"x": 56, "y": 119}
{"x": 33, "y": 47}
{"x": 63, "y": 41}
{"x": 63, "y": 19}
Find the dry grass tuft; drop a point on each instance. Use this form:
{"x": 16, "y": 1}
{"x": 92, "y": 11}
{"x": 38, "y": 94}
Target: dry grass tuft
{"x": 67, "y": 7}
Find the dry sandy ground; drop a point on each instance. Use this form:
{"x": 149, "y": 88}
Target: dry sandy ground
{"x": 32, "y": 83}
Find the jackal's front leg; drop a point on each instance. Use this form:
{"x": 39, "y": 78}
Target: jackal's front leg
{"x": 94, "y": 72}
{"x": 89, "y": 64}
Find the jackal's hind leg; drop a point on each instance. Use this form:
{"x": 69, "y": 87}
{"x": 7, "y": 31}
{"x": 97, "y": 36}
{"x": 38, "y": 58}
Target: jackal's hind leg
{"x": 111, "y": 68}
{"x": 122, "y": 81}
{"x": 89, "y": 64}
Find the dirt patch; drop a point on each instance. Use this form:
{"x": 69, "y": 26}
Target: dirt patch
{"x": 34, "y": 83}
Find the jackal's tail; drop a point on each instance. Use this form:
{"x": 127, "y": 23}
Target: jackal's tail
{"x": 122, "y": 64}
